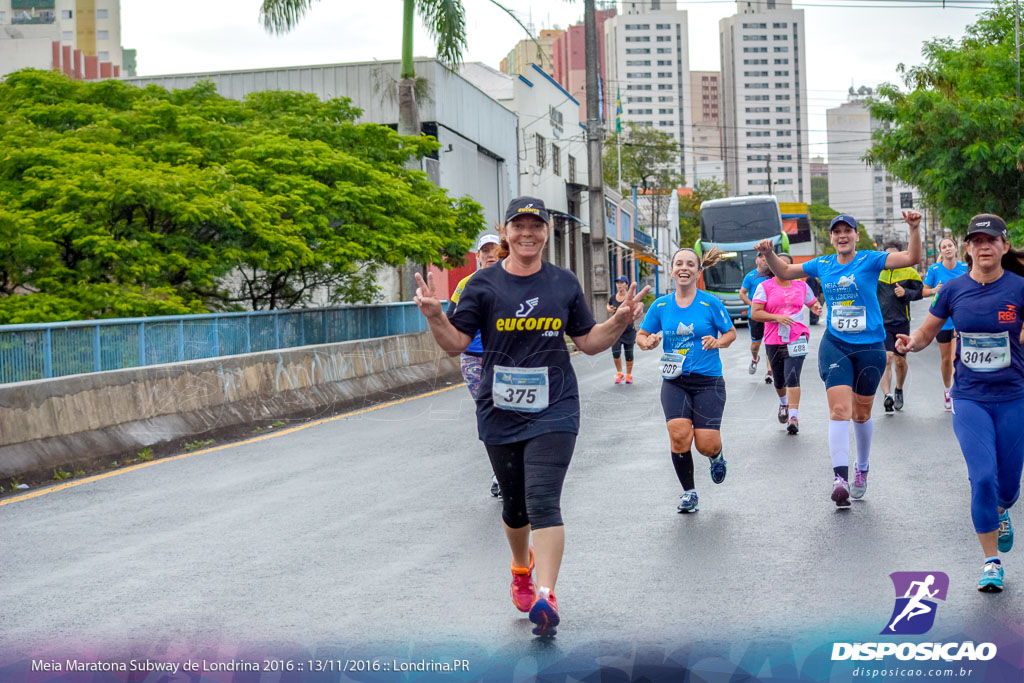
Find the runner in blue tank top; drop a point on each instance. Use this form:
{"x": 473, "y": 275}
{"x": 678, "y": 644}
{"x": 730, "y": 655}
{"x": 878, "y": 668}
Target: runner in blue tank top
{"x": 988, "y": 394}
{"x": 851, "y": 357}
{"x": 938, "y": 274}
{"x": 693, "y": 325}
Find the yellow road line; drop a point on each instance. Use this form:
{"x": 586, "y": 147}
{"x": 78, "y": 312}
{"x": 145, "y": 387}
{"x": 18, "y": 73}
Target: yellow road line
{"x": 290, "y": 430}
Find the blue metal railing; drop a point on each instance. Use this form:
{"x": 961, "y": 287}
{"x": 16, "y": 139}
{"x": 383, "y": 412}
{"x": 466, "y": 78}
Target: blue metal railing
{"x": 43, "y": 350}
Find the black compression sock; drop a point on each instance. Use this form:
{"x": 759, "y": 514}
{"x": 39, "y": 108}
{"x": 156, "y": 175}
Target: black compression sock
{"x": 843, "y": 472}
{"x": 683, "y": 462}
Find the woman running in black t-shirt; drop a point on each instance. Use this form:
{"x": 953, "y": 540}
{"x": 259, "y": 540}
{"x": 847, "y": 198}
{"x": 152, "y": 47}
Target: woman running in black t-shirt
{"x": 528, "y": 411}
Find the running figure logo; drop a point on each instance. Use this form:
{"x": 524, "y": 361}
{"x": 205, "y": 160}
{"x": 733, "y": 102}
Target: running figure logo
{"x": 914, "y": 612}
{"x": 685, "y": 330}
{"x": 847, "y": 281}
{"x": 523, "y": 311}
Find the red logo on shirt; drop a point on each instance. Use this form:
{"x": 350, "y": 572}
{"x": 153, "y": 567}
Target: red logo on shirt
{"x": 1009, "y": 314}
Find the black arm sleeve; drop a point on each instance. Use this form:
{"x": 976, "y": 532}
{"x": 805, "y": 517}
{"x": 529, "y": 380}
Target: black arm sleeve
{"x": 915, "y": 289}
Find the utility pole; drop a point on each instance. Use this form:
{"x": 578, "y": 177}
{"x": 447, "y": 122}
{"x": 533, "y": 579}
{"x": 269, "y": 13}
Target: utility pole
{"x": 769, "y": 161}
{"x": 596, "y": 279}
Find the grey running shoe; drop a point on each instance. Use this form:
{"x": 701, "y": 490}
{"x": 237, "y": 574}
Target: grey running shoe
{"x": 783, "y": 414}
{"x": 753, "y": 366}
{"x": 897, "y": 399}
{"x": 688, "y": 502}
{"x": 860, "y": 484}
{"x": 718, "y": 469}
{"x": 840, "y": 493}
{"x": 495, "y": 489}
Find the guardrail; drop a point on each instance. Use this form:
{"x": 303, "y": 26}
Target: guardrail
{"x": 44, "y": 350}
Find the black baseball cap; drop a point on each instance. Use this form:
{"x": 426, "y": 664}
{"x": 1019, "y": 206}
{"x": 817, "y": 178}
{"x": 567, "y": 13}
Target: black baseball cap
{"x": 988, "y": 224}
{"x": 526, "y": 206}
{"x": 842, "y": 218}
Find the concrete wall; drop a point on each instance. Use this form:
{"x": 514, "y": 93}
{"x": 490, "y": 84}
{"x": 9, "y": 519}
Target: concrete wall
{"x": 88, "y": 420}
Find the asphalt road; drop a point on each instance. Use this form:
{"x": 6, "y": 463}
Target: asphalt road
{"x": 375, "y": 535}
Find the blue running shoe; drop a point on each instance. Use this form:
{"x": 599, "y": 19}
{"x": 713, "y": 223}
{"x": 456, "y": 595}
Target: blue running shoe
{"x": 1005, "y": 532}
{"x": 688, "y": 502}
{"x": 544, "y": 613}
{"x": 718, "y": 469}
{"x": 991, "y": 578}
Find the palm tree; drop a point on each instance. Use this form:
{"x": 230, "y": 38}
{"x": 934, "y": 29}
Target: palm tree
{"x": 445, "y": 21}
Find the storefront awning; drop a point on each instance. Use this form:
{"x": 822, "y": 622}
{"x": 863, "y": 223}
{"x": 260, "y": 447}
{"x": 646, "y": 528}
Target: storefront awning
{"x": 639, "y": 252}
{"x": 563, "y": 214}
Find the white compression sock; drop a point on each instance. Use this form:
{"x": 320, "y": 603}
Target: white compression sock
{"x": 839, "y": 442}
{"x": 863, "y": 432}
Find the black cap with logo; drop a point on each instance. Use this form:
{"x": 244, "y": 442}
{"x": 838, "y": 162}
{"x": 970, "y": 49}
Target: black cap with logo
{"x": 526, "y": 206}
{"x": 988, "y": 224}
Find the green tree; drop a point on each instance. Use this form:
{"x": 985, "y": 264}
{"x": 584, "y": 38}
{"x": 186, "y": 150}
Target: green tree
{"x": 689, "y": 208}
{"x": 648, "y": 159}
{"x": 819, "y": 190}
{"x": 117, "y": 201}
{"x": 820, "y": 216}
{"x": 958, "y": 134}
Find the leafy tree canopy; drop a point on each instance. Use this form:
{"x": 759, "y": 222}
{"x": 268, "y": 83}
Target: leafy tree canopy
{"x": 958, "y": 134}
{"x": 648, "y": 156}
{"x": 119, "y": 201}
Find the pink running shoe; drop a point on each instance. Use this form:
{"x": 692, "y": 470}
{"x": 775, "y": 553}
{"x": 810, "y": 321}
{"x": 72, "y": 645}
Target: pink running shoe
{"x": 840, "y": 493}
{"x": 544, "y": 613}
{"x": 949, "y": 401}
{"x": 523, "y": 590}
{"x": 618, "y": 378}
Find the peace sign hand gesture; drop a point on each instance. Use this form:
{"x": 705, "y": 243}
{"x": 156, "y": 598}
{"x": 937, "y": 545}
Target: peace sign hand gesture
{"x": 632, "y": 307}
{"x": 426, "y": 298}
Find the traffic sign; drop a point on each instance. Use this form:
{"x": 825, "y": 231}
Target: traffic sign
{"x": 906, "y": 200}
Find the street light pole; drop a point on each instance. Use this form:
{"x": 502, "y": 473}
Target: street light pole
{"x": 596, "y": 279}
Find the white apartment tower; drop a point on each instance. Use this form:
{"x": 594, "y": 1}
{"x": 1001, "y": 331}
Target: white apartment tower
{"x": 29, "y": 29}
{"x": 764, "y": 100}
{"x": 647, "y": 62}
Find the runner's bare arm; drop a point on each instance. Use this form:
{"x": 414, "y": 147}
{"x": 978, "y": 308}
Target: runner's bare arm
{"x": 721, "y": 342}
{"x": 912, "y": 256}
{"x": 602, "y": 336}
{"x": 922, "y": 336}
{"x": 647, "y": 341}
{"x": 451, "y": 340}
{"x": 786, "y": 271}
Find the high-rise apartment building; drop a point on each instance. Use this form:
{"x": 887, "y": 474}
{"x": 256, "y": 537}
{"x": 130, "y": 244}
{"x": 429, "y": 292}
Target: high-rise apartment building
{"x": 648, "y": 66}
{"x": 764, "y": 100}
{"x": 528, "y": 52}
{"x": 707, "y": 125}
{"x": 72, "y": 35}
{"x": 570, "y": 61}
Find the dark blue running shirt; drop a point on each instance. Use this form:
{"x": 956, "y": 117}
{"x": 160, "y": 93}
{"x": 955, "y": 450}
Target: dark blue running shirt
{"x": 988, "y": 308}
{"x": 523, "y": 321}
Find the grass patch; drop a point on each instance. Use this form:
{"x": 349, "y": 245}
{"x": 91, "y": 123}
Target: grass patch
{"x": 196, "y": 445}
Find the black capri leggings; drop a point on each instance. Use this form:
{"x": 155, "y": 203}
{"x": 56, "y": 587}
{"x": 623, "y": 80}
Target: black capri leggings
{"x": 785, "y": 370}
{"x": 531, "y": 474}
{"x": 626, "y": 339}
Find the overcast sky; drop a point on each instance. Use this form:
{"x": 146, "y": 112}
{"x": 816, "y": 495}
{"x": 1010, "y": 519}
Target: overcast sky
{"x": 857, "y": 42}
